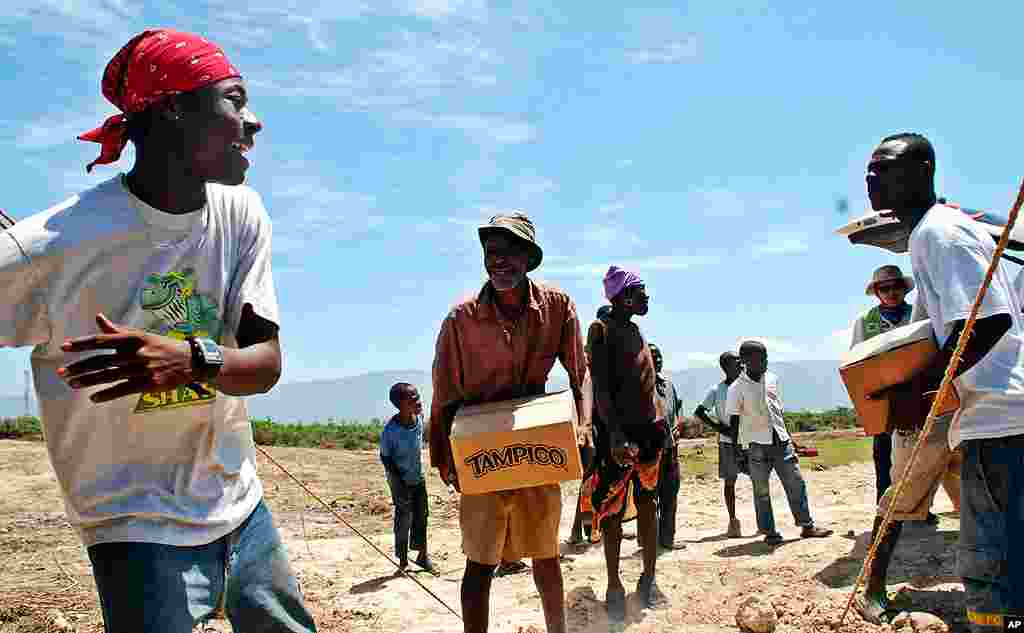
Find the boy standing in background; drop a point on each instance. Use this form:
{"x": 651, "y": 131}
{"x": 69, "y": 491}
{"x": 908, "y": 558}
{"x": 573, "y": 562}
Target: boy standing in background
{"x": 401, "y": 449}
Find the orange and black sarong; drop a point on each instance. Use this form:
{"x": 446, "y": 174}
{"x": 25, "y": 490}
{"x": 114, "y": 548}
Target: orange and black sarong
{"x": 611, "y": 489}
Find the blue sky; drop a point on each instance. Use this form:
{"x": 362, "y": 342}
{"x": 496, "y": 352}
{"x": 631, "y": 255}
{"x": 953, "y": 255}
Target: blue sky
{"x": 704, "y": 144}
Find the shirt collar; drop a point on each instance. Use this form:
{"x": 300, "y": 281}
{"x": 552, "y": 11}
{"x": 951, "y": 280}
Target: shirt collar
{"x": 488, "y": 310}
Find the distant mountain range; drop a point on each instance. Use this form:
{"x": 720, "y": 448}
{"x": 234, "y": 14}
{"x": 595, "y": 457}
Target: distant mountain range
{"x": 810, "y": 385}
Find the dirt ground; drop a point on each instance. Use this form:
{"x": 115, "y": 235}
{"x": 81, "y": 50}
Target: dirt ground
{"x": 45, "y": 581}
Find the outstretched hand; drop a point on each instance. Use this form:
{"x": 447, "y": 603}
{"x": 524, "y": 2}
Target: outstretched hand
{"x": 141, "y": 362}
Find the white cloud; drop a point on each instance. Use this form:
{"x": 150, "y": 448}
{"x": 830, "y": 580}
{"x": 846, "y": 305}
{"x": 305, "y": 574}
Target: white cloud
{"x": 479, "y": 127}
{"x": 717, "y": 203}
{"x": 643, "y": 265}
{"x": 669, "y": 53}
{"x": 536, "y": 187}
{"x": 56, "y": 129}
{"x": 780, "y": 245}
{"x": 830, "y": 347}
{"x": 402, "y": 77}
{"x": 316, "y": 31}
{"x": 699, "y": 358}
{"x": 441, "y": 9}
{"x": 605, "y": 236}
{"x": 611, "y": 208}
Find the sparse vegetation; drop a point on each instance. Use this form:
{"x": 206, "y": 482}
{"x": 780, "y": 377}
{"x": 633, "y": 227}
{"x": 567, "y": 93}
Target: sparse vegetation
{"x": 358, "y": 435}
{"x": 333, "y": 435}
{"x": 22, "y": 428}
{"x": 702, "y": 461}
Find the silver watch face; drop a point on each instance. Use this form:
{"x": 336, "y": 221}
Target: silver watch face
{"x": 211, "y": 351}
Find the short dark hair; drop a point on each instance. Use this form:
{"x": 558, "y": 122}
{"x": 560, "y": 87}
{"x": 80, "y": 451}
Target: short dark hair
{"x": 918, "y": 146}
{"x": 397, "y": 389}
{"x": 604, "y": 312}
{"x": 726, "y": 356}
{"x": 749, "y": 347}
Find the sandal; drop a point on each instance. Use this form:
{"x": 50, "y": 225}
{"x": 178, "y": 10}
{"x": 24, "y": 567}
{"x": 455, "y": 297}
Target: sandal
{"x": 510, "y": 568}
{"x": 874, "y": 613}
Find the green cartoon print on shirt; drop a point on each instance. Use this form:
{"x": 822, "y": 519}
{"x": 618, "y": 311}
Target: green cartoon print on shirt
{"x": 178, "y": 311}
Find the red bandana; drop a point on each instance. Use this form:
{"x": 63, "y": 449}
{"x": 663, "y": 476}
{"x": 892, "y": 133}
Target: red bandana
{"x": 152, "y": 66}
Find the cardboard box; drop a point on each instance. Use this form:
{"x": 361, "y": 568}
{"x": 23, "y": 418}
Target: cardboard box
{"x": 885, "y": 360}
{"x": 516, "y": 443}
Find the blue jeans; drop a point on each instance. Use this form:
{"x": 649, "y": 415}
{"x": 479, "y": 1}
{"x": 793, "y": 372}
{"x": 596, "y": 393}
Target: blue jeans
{"x": 153, "y": 588}
{"x": 990, "y": 556}
{"x": 781, "y": 458}
{"x": 410, "y": 518}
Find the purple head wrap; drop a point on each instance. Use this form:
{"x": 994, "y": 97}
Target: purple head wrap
{"x": 616, "y": 280}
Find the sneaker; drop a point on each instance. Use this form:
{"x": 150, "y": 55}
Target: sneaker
{"x": 734, "y": 530}
{"x": 773, "y": 539}
{"x": 811, "y": 531}
{"x": 650, "y": 595}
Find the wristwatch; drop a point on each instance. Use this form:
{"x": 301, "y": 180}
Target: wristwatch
{"x": 207, "y": 358}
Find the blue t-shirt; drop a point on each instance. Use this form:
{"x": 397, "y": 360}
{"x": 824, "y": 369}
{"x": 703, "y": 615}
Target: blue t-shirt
{"x": 403, "y": 445}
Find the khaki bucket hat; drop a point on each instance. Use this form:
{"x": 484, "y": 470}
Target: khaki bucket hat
{"x": 520, "y": 227}
{"x": 888, "y": 273}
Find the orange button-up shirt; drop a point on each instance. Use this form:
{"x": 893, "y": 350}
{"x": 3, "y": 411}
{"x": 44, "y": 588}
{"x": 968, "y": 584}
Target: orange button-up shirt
{"x": 483, "y": 357}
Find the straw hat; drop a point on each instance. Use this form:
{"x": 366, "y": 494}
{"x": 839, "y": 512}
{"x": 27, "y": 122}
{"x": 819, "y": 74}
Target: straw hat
{"x": 888, "y": 273}
{"x": 520, "y": 227}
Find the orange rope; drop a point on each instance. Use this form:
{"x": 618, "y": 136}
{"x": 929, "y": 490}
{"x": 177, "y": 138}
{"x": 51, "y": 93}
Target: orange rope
{"x": 358, "y": 533}
{"x": 940, "y": 397}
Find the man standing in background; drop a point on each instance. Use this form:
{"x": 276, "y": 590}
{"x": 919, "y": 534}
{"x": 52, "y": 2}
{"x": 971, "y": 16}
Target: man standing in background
{"x": 669, "y": 406}
{"x": 728, "y": 450}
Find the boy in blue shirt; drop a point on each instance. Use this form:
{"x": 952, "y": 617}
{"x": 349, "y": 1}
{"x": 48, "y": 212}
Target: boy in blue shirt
{"x": 401, "y": 448}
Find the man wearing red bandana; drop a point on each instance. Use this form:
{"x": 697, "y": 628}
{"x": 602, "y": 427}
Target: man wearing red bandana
{"x": 150, "y": 304}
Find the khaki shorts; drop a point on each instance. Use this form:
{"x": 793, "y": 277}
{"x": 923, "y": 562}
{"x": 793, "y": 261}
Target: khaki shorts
{"x": 511, "y": 524}
{"x": 935, "y": 464}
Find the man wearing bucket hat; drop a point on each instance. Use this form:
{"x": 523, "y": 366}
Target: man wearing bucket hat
{"x": 935, "y": 463}
{"x": 890, "y": 286}
{"x": 150, "y": 302}
{"x": 499, "y": 345}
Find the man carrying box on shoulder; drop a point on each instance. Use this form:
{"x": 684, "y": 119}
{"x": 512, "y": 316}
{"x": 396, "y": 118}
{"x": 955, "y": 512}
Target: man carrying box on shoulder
{"x": 950, "y": 256}
{"x": 501, "y": 345}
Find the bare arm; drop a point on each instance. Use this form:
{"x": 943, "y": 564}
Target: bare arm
{"x": 600, "y": 376}
{"x": 144, "y": 362}
{"x": 255, "y": 366}
{"x": 701, "y": 413}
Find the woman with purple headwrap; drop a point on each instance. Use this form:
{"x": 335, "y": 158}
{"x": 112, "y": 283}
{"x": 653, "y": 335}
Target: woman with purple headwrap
{"x": 628, "y": 435}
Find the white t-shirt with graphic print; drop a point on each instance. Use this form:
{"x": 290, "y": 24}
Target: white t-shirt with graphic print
{"x": 172, "y": 468}
{"x": 951, "y": 255}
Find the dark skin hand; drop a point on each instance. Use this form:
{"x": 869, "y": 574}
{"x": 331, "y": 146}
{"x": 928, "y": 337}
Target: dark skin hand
{"x": 905, "y": 398}
{"x": 702, "y": 414}
{"x": 144, "y": 362}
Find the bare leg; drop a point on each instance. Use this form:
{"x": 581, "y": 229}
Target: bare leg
{"x": 547, "y": 575}
{"x": 730, "y": 498}
{"x": 476, "y": 597}
{"x": 647, "y": 530}
{"x": 615, "y": 595}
